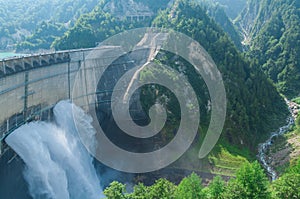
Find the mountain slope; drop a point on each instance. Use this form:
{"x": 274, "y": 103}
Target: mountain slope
{"x": 253, "y": 102}
{"x": 251, "y": 97}
{"x": 115, "y": 16}
{"x": 95, "y": 27}
{"x": 272, "y": 31}
{"x": 218, "y": 14}
{"x": 19, "y": 19}
{"x": 232, "y": 8}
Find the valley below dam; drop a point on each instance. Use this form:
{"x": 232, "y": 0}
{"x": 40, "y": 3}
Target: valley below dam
{"x": 54, "y": 149}
{"x": 264, "y": 147}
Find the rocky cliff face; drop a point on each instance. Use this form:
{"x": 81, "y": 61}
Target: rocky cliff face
{"x": 247, "y": 21}
{"x": 258, "y": 13}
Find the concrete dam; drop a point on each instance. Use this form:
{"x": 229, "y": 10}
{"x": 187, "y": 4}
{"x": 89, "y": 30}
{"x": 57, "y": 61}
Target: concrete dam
{"x": 31, "y": 85}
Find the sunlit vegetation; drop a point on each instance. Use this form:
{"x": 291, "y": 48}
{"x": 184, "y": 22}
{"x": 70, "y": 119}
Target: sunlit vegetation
{"x": 95, "y": 27}
{"x": 296, "y": 100}
{"x": 250, "y": 182}
{"x": 250, "y": 96}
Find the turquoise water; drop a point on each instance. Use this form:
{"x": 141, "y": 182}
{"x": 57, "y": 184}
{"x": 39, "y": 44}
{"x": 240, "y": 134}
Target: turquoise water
{"x": 8, "y": 54}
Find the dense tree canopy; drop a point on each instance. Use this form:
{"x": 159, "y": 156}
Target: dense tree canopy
{"x": 22, "y": 20}
{"x": 190, "y": 187}
{"x": 232, "y": 9}
{"x": 250, "y": 96}
{"x": 288, "y": 185}
{"x": 274, "y": 38}
{"x": 250, "y": 183}
{"x": 216, "y": 10}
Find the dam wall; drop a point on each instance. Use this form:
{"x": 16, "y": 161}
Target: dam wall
{"x": 30, "y": 86}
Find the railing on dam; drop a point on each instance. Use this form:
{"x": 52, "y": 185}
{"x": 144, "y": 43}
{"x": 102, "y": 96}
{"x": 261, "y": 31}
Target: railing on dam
{"x": 22, "y": 63}
{"x": 31, "y": 85}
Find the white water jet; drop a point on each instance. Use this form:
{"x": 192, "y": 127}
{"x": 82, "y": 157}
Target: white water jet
{"x": 57, "y": 164}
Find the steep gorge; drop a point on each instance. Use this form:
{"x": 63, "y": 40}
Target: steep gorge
{"x": 271, "y": 31}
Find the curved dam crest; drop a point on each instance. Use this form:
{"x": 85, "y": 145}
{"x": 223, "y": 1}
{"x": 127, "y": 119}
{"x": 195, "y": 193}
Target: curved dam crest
{"x": 30, "y": 86}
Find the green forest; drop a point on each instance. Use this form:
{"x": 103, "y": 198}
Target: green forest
{"x": 245, "y": 100}
{"x": 36, "y": 26}
{"x": 250, "y": 182}
{"x": 275, "y": 38}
